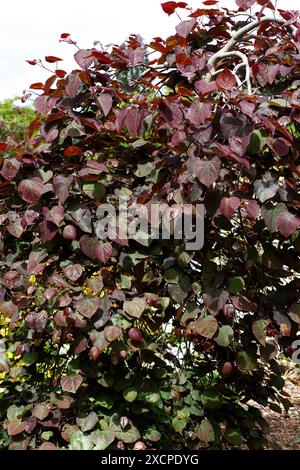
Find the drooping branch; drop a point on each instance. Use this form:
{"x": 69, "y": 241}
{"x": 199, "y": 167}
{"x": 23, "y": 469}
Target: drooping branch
{"x": 227, "y": 50}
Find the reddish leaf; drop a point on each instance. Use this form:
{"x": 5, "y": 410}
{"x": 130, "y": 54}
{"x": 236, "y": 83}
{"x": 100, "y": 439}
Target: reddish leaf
{"x": 111, "y": 333}
{"x": 37, "y": 86}
{"x": 52, "y": 59}
{"x": 245, "y": 4}
{"x": 205, "y": 87}
{"x": 48, "y": 231}
{"x": 55, "y": 215}
{"x": 15, "y": 427}
{"x": 15, "y": 229}
{"x": 44, "y": 104}
{"x": 226, "y": 80}
{"x": 102, "y": 57}
{"x": 40, "y": 411}
{"x": 3, "y": 146}
{"x": 170, "y": 7}
{"x": 28, "y": 218}
{"x": 229, "y": 205}
{"x": 242, "y": 303}
{"x": 31, "y": 190}
{"x": 72, "y": 151}
{"x": 206, "y": 327}
{"x": 71, "y": 383}
{"x": 60, "y": 73}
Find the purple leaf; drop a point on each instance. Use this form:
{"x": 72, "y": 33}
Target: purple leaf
{"x": 88, "y": 246}
{"x": 84, "y": 58}
{"x": 31, "y": 190}
{"x": 61, "y": 187}
{"x": 185, "y": 27}
{"x": 104, "y": 252}
{"x": 206, "y": 327}
{"x": 199, "y": 111}
{"x": 207, "y": 171}
{"x": 10, "y": 168}
{"x": 43, "y": 104}
{"x": 55, "y": 215}
{"x": 73, "y": 83}
{"x": 252, "y": 207}
{"x": 266, "y": 188}
{"x": 73, "y": 272}
{"x": 214, "y": 299}
{"x": 105, "y": 102}
{"x": 69, "y": 232}
{"x": 229, "y": 205}
{"x": 15, "y": 229}
{"x": 88, "y": 306}
{"x": 80, "y": 215}
{"x": 287, "y": 223}
{"x": 48, "y": 231}
{"x": 205, "y": 87}
{"x": 226, "y": 80}
{"x": 28, "y": 218}
{"x": 71, "y": 383}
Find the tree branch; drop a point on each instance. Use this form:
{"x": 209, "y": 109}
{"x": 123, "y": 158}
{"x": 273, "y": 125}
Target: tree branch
{"x": 226, "y": 51}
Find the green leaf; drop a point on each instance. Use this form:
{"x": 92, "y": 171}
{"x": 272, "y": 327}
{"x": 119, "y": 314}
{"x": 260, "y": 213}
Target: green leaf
{"x": 152, "y": 434}
{"x": 102, "y": 439}
{"x": 80, "y": 442}
{"x": 211, "y": 399}
{"x": 225, "y": 336}
{"x": 179, "y": 291}
{"x": 236, "y": 284}
{"x": 179, "y": 424}
{"x": 246, "y": 361}
{"x": 259, "y": 331}
{"x": 94, "y": 189}
{"x": 30, "y": 358}
{"x": 128, "y": 436}
{"x": 172, "y": 275}
{"x": 257, "y": 142}
{"x": 86, "y": 423}
{"x": 234, "y": 437}
{"x": 106, "y": 399}
{"x": 130, "y": 394}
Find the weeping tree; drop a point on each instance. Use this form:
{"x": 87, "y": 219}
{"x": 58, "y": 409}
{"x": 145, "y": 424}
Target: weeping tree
{"x": 138, "y": 342}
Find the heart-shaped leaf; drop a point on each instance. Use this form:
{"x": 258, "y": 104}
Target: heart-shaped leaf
{"x": 71, "y": 383}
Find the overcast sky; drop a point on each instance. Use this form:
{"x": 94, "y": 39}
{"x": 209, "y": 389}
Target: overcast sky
{"x": 31, "y": 29}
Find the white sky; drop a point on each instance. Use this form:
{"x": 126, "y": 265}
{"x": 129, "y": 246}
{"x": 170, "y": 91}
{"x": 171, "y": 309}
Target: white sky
{"x": 31, "y": 29}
